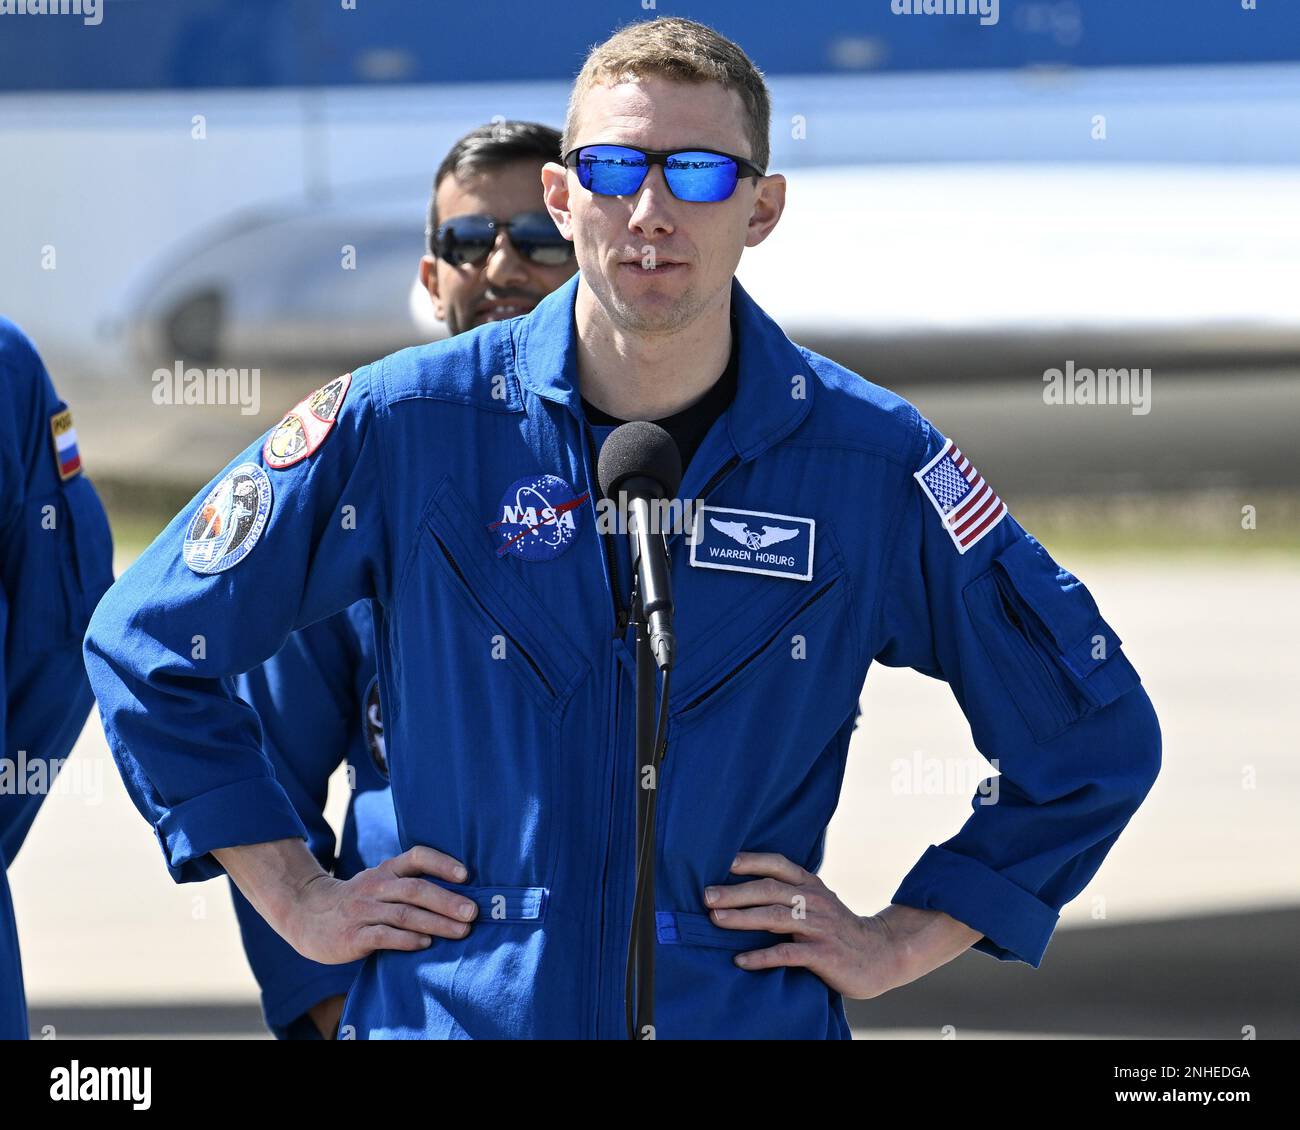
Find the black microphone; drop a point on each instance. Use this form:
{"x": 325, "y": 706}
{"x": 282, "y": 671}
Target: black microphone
{"x": 641, "y": 460}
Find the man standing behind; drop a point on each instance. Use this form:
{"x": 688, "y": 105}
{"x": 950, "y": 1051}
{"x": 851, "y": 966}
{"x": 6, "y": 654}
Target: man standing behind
{"x": 56, "y": 561}
{"x": 492, "y": 252}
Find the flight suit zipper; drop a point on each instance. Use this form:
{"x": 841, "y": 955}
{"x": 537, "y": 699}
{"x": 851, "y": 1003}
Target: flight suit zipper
{"x": 610, "y": 837}
{"x": 610, "y": 885}
{"x": 620, "y": 628}
{"x": 718, "y": 476}
{"x": 611, "y": 564}
{"x": 1023, "y": 635}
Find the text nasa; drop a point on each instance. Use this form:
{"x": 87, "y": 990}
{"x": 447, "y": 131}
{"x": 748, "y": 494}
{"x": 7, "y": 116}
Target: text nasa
{"x": 664, "y": 515}
{"x": 102, "y": 1084}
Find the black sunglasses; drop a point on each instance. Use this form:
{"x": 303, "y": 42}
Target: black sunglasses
{"x": 697, "y": 175}
{"x": 470, "y": 239}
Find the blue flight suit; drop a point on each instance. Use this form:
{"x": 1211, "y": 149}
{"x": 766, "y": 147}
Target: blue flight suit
{"x": 56, "y": 560}
{"x": 318, "y": 701}
{"x": 455, "y": 486}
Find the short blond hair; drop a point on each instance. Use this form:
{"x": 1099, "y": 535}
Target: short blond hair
{"x": 683, "y": 51}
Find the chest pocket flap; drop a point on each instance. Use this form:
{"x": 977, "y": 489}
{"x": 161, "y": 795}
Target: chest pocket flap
{"x": 454, "y": 533}
{"x": 749, "y": 618}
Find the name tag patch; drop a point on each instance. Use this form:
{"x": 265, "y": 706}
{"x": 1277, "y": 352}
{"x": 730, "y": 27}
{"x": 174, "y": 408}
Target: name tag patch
{"x": 751, "y": 541}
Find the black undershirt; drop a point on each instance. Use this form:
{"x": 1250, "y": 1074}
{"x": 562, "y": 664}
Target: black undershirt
{"x": 689, "y": 426}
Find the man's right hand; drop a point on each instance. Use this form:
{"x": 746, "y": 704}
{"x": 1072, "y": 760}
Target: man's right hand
{"x": 389, "y": 907}
{"x": 335, "y": 921}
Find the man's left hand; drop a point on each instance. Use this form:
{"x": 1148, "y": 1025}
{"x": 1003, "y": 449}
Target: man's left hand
{"x": 859, "y": 957}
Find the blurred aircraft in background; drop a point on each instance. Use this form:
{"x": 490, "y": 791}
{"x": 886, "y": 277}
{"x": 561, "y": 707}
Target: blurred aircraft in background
{"x": 245, "y": 184}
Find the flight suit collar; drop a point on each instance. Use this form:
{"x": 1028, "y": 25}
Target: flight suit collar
{"x": 774, "y": 386}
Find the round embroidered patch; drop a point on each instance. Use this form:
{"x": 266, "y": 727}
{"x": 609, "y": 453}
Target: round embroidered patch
{"x": 539, "y": 518}
{"x": 229, "y": 520}
{"x": 305, "y": 425}
{"x": 325, "y": 402}
{"x": 287, "y": 443}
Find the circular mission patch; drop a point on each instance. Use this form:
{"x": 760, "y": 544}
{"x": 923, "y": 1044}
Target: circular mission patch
{"x": 229, "y": 520}
{"x": 539, "y": 518}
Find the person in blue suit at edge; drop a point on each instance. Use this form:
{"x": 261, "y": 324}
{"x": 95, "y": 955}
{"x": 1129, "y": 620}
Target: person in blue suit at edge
{"x": 56, "y": 561}
{"x": 318, "y": 697}
{"x": 454, "y": 486}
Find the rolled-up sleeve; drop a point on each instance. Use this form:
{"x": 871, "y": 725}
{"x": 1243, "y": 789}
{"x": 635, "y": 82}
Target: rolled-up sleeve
{"x": 168, "y": 639}
{"x": 306, "y": 699}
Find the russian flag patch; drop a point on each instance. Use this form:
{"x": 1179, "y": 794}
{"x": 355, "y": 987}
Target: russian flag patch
{"x": 969, "y": 507}
{"x": 66, "y": 456}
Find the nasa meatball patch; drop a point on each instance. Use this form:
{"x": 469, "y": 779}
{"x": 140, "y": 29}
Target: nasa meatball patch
{"x": 229, "y": 520}
{"x": 539, "y": 518}
{"x": 305, "y": 425}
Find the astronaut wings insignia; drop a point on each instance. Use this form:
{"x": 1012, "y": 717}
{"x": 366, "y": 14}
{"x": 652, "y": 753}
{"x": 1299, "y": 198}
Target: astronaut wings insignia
{"x": 740, "y": 532}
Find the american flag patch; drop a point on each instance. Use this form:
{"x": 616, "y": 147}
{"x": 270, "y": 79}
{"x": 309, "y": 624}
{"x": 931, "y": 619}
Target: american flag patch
{"x": 969, "y": 507}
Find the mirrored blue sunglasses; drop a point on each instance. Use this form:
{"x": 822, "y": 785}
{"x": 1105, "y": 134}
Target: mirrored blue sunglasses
{"x": 697, "y": 175}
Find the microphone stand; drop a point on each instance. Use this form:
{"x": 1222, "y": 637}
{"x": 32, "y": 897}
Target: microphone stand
{"x": 649, "y": 757}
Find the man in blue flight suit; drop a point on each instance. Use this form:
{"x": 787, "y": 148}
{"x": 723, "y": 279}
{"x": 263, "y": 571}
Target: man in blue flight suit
{"x": 56, "y": 561}
{"x": 455, "y": 486}
{"x": 318, "y": 697}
